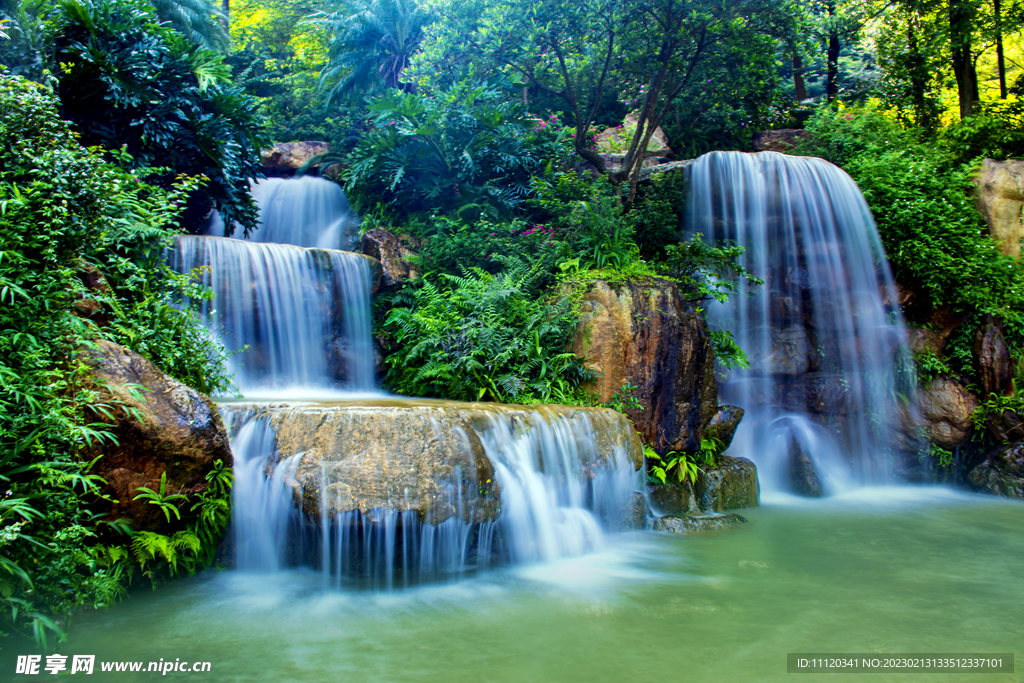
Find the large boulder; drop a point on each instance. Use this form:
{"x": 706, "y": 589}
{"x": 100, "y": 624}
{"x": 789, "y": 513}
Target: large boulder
{"x": 423, "y": 456}
{"x": 803, "y": 478}
{"x": 689, "y": 525}
{"x": 729, "y": 485}
{"x": 396, "y": 256}
{"x": 645, "y": 334}
{"x": 162, "y": 427}
{"x": 946, "y": 408}
{"x": 1002, "y": 473}
{"x": 285, "y": 158}
{"x": 999, "y": 196}
{"x": 724, "y": 424}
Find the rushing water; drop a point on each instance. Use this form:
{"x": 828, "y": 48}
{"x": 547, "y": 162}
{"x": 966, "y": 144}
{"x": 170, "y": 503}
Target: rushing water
{"x": 887, "y": 570}
{"x": 295, "y": 318}
{"x": 824, "y": 334}
{"x": 559, "y": 490}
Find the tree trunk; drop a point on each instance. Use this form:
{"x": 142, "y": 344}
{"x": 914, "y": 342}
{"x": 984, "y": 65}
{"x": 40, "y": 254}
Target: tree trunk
{"x": 798, "y": 77}
{"x": 999, "y": 50}
{"x": 225, "y": 7}
{"x": 960, "y": 24}
{"x": 918, "y": 70}
{"x": 832, "y": 87}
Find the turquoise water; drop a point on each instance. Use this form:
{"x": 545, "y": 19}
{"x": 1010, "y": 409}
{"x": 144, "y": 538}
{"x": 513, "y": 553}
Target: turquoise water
{"x": 882, "y": 570}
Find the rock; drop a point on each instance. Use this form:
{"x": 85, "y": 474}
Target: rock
{"x": 672, "y": 498}
{"x": 926, "y": 341}
{"x": 685, "y": 524}
{"x": 613, "y": 162}
{"x": 634, "y": 516}
{"x": 426, "y": 456}
{"x": 96, "y": 286}
{"x": 992, "y": 359}
{"x": 1006, "y": 426}
{"x": 999, "y": 196}
{"x": 945, "y": 408}
{"x": 803, "y": 478}
{"x": 1002, "y": 473}
{"x": 791, "y": 352}
{"x": 284, "y": 158}
{"x": 644, "y": 333}
{"x": 617, "y": 140}
{"x": 395, "y": 254}
{"x": 169, "y": 428}
{"x": 724, "y": 424}
{"x": 730, "y": 485}
{"x": 782, "y": 140}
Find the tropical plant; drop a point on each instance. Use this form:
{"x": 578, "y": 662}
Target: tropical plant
{"x": 371, "y": 45}
{"x": 660, "y": 468}
{"x": 127, "y": 81}
{"x": 481, "y": 336}
{"x": 200, "y": 21}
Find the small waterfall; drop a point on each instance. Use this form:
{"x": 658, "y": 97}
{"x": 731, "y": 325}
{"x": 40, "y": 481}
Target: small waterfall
{"x": 297, "y": 318}
{"x": 564, "y": 479}
{"x": 306, "y": 212}
{"x": 824, "y": 335}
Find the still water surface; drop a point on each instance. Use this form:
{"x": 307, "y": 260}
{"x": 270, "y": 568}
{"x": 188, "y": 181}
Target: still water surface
{"x": 880, "y": 570}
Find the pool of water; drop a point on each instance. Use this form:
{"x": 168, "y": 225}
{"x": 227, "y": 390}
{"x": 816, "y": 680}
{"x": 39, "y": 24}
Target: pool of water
{"x": 880, "y": 570}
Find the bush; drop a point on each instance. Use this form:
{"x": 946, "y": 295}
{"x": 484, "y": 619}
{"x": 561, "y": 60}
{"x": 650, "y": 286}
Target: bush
{"x": 64, "y": 211}
{"x": 484, "y": 337}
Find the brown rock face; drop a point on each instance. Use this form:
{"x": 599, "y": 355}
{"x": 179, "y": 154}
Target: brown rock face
{"x": 946, "y": 409}
{"x": 724, "y": 424}
{"x": 992, "y": 358}
{"x": 1002, "y": 473}
{"x": 426, "y": 456}
{"x": 645, "y": 334}
{"x": 286, "y": 157}
{"x": 180, "y": 433}
{"x": 394, "y": 254}
{"x": 999, "y": 196}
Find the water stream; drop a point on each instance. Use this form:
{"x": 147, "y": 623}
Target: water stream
{"x": 824, "y": 334}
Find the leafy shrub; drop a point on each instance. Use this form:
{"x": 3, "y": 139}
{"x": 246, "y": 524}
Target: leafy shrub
{"x": 128, "y": 81}
{"x": 997, "y": 132}
{"x": 430, "y": 153}
{"x": 63, "y": 210}
{"x": 483, "y": 336}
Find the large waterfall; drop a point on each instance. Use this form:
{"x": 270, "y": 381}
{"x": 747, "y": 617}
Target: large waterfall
{"x": 380, "y": 495}
{"x": 824, "y": 334}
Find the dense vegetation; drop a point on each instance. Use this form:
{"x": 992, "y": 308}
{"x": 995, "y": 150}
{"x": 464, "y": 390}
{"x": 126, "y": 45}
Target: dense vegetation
{"x": 478, "y": 130}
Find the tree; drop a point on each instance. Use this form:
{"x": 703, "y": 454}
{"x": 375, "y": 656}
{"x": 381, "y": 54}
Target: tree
{"x": 198, "y": 20}
{"x": 373, "y": 41}
{"x": 962, "y": 17}
{"x": 128, "y": 82}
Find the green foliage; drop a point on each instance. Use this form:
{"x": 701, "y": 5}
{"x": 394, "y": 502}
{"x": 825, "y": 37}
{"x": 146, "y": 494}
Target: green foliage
{"x": 656, "y": 216}
{"x": 466, "y": 145}
{"x": 682, "y": 465}
{"x": 996, "y": 132}
{"x": 200, "y": 21}
{"x": 706, "y": 272}
{"x": 127, "y": 81}
{"x": 624, "y": 400}
{"x": 483, "y": 336}
{"x": 929, "y": 366}
{"x": 67, "y": 216}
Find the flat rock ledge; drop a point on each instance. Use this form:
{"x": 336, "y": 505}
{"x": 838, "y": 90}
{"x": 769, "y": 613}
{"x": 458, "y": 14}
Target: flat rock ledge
{"x": 699, "y": 524}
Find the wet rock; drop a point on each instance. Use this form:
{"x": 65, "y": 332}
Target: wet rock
{"x": 96, "y": 288}
{"x": 724, "y": 424}
{"x": 946, "y": 408}
{"x": 782, "y": 140}
{"x": 803, "y": 478}
{"x": 688, "y": 525}
{"x": 285, "y": 158}
{"x": 672, "y": 498}
{"x": 812, "y": 392}
{"x": 164, "y": 427}
{"x": 992, "y": 358}
{"x": 729, "y": 485}
{"x": 634, "y": 515}
{"x": 424, "y": 456}
{"x": 1002, "y": 473}
{"x": 396, "y": 256}
{"x": 926, "y": 341}
{"x": 791, "y": 352}
{"x": 644, "y": 333}
{"x": 1006, "y": 426}
{"x": 999, "y": 196}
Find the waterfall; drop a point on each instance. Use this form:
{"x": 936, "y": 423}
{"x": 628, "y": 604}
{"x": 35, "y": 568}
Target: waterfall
{"x": 306, "y": 212}
{"x": 296, "y": 318}
{"x": 824, "y": 335}
{"x": 564, "y": 476}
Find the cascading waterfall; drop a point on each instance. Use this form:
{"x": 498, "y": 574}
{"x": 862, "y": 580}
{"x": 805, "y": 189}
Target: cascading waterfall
{"x": 824, "y": 334}
{"x": 296, "y": 311}
{"x": 306, "y": 212}
{"x": 301, "y": 315}
{"x": 558, "y": 495}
